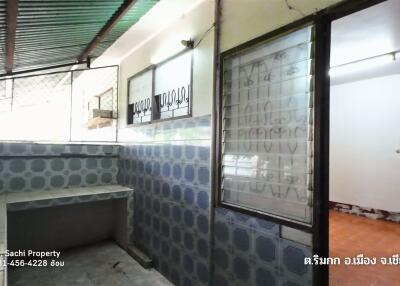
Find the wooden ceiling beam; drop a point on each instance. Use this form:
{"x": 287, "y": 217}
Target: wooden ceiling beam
{"x": 106, "y": 28}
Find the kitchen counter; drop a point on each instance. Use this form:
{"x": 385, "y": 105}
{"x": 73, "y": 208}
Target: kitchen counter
{"x": 15, "y": 201}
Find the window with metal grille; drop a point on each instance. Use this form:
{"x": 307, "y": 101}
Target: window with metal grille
{"x": 140, "y": 90}
{"x": 172, "y": 97}
{"x": 162, "y": 91}
{"x": 267, "y": 117}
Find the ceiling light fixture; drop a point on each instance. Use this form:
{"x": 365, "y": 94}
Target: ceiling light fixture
{"x": 362, "y": 65}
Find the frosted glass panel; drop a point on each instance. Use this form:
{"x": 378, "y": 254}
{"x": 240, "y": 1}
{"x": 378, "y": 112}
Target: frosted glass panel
{"x": 140, "y": 98}
{"x": 267, "y": 127}
{"x": 173, "y": 87}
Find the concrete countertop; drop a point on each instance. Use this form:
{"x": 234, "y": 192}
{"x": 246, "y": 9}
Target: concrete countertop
{"x": 14, "y": 201}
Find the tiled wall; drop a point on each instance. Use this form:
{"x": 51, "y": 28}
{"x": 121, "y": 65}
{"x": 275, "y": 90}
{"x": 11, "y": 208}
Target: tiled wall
{"x": 249, "y": 251}
{"x": 170, "y": 171}
{"x": 169, "y": 167}
{"x": 29, "y": 166}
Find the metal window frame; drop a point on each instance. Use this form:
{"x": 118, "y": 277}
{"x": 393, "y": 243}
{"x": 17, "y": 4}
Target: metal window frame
{"x": 269, "y": 37}
{"x": 148, "y": 69}
{"x": 153, "y": 68}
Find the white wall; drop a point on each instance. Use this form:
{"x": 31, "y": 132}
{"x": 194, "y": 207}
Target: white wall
{"x": 364, "y": 168}
{"x": 193, "y": 24}
{"x": 243, "y": 20}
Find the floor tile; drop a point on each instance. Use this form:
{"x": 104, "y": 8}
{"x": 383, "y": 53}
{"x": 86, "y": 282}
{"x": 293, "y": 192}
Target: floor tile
{"x": 351, "y": 235}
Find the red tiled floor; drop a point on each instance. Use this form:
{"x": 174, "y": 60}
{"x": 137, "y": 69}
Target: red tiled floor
{"x": 351, "y": 235}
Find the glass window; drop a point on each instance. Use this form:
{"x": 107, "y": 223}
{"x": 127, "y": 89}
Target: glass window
{"x": 161, "y": 92}
{"x": 140, "y": 90}
{"x": 172, "y": 87}
{"x": 267, "y": 121}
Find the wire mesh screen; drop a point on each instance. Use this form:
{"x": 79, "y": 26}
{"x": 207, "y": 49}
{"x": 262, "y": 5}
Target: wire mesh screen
{"x": 267, "y": 127}
{"x": 3, "y": 93}
{"x": 5, "y": 98}
{"x": 94, "y": 104}
{"x": 97, "y": 87}
{"x": 41, "y": 89}
{"x": 106, "y": 101}
{"x": 41, "y": 107}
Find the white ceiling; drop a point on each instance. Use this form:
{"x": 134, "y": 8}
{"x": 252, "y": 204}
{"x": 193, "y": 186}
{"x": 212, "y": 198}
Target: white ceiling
{"x": 160, "y": 17}
{"x": 367, "y": 33}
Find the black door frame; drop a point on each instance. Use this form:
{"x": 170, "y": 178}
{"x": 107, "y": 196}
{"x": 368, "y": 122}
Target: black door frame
{"x": 322, "y": 21}
{"x": 322, "y": 128}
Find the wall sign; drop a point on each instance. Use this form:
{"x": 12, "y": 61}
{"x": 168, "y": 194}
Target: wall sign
{"x": 162, "y": 92}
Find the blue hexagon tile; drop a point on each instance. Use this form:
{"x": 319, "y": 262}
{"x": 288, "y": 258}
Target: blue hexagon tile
{"x": 36, "y": 149}
{"x": 30, "y": 167}
{"x": 170, "y": 172}
{"x": 249, "y": 251}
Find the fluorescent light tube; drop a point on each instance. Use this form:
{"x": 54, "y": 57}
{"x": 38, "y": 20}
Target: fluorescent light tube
{"x": 362, "y": 65}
